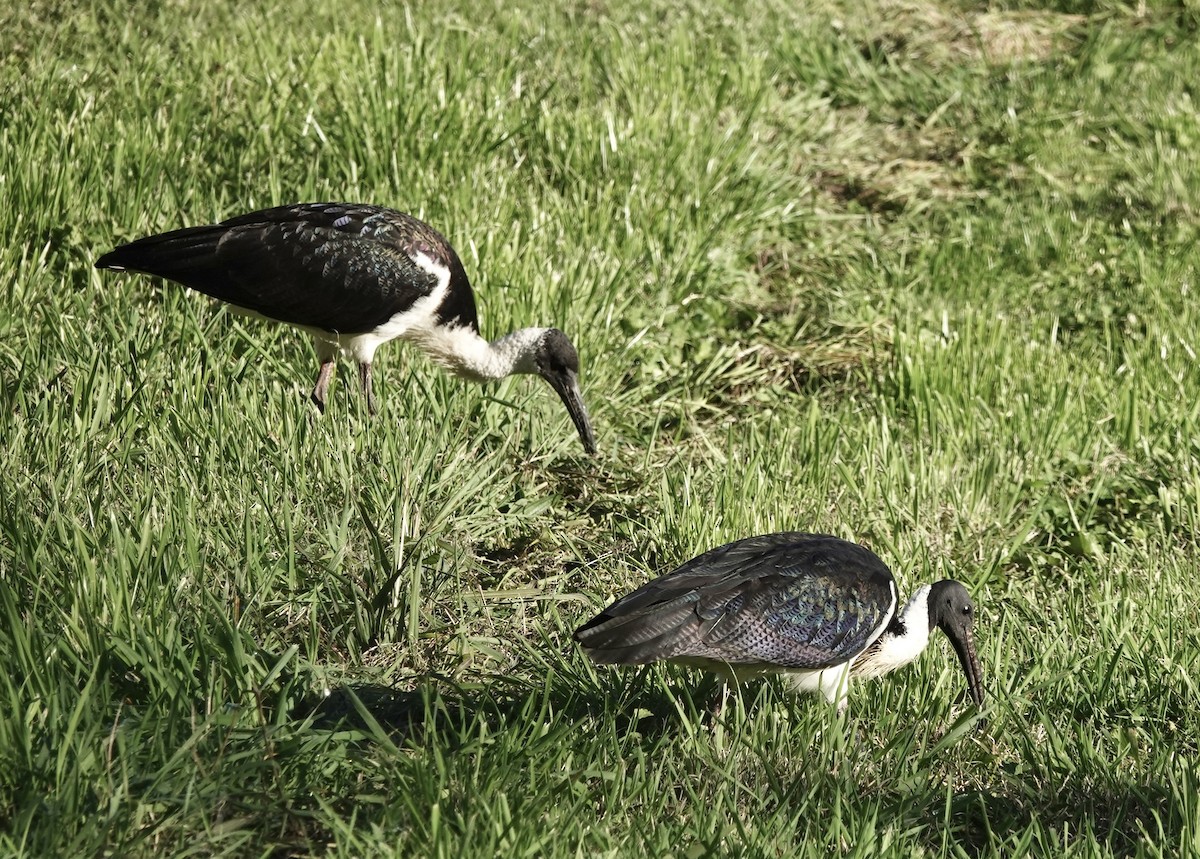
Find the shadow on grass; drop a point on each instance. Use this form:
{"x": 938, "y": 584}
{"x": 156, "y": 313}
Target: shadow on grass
{"x": 1013, "y": 815}
{"x": 634, "y": 700}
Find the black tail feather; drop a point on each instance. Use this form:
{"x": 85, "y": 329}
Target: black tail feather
{"x": 173, "y": 255}
{"x": 642, "y": 638}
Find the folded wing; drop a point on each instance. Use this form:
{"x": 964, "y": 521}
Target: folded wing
{"x": 338, "y": 267}
{"x": 789, "y": 600}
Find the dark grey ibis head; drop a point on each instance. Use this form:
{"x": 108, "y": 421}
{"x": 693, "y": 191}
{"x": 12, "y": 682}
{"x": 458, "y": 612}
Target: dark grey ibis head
{"x": 810, "y": 606}
{"x": 557, "y": 362}
{"x": 951, "y": 611}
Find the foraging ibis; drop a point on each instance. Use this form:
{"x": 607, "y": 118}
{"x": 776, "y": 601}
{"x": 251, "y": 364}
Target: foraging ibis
{"x": 816, "y": 609}
{"x": 355, "y": 277}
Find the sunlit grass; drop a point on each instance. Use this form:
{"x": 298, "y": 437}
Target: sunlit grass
{"x": 922, "y": 276}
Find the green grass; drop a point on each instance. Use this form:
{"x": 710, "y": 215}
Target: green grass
{"x": 923, "y": 277}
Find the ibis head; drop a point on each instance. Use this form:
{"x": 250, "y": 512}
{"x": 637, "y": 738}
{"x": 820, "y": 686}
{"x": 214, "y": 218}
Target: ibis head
{"x": 951, "y": 611}
{"x": 557, "y": 362}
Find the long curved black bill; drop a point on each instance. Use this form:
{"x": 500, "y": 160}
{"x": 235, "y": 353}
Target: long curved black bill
{"x": 964, "y": 646}
{"x": 567, "y": 387}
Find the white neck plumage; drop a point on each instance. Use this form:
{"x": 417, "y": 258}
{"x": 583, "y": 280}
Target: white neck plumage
{"x": 895, "y": 651}
{"x": 465, "y": 353}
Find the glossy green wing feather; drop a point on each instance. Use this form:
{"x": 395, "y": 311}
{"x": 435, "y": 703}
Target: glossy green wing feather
{"x": 790, "y": 600}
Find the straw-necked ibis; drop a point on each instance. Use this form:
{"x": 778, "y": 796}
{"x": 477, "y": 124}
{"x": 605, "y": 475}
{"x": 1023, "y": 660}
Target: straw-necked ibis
{"x": 355, "y": 277}
{"x": 818, "y": 610}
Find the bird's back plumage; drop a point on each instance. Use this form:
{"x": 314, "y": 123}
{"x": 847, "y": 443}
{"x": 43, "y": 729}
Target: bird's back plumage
{"x": 789, "y": 600}
{"x": 333, "y": 266}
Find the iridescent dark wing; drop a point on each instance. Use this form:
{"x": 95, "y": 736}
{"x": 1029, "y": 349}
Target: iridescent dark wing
{"x": 788, "y": 600}
{"x": 334, "y": 266}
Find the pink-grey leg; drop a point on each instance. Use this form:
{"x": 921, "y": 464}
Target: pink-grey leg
{"x": 364, "y": 375}
{"x": 322, "y": 387}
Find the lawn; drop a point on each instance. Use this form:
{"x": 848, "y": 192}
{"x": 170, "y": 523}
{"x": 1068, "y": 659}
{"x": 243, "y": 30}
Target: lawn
{"x": 922, "y": 275}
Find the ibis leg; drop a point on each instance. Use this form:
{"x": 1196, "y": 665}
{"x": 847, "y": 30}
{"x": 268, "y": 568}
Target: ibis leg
{"x": 323, "y": 376}
{"x": 717, "y": 705}
{"x": 364, "y": 374}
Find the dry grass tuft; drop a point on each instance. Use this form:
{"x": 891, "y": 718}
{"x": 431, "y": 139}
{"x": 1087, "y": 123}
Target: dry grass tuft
{"x": 934, "y": 34}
